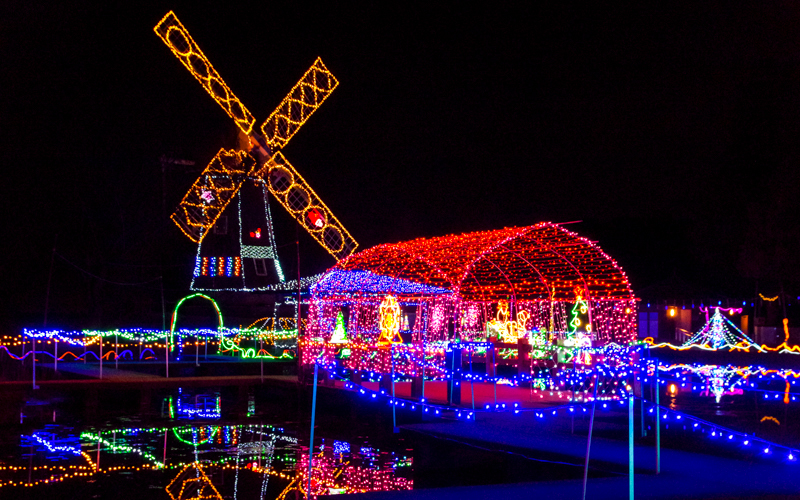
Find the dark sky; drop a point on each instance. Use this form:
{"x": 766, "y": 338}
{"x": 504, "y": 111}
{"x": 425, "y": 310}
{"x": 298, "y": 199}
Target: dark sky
{"x": 671, "y": 132}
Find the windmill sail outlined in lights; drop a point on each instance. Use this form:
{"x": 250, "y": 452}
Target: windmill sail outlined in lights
{"x": 260, "y": 161}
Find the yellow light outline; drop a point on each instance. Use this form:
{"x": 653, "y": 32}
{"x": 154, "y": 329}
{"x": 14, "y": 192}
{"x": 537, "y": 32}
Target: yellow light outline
{"x": 303, "y": 100}
{"x": 348, "y": 245}
{"x": 170, "y": 23}
{"x": 194, "y": 216}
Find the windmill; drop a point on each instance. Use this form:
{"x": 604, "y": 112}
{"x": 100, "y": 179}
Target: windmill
{"x": 258, "y": 161}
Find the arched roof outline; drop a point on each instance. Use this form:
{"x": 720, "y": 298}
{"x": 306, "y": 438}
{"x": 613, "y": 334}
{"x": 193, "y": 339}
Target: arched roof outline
{"x": 557, "y": 259}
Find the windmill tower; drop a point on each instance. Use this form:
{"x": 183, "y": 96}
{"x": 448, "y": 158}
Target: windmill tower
{"x": 250, "y": 173}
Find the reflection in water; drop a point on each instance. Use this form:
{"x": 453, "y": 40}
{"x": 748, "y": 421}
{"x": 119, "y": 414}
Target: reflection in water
{"x": 718, "y": 381}
{"x": 200, "y": 460}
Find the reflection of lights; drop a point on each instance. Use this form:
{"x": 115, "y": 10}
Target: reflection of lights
{"x": 673, "y": 389}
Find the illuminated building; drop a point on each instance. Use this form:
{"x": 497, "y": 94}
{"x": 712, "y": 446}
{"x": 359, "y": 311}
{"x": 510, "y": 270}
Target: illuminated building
{"x": 522, "y": 281}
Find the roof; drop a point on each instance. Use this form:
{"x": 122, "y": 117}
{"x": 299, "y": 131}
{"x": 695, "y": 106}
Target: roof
{"x": 537, "y": 262}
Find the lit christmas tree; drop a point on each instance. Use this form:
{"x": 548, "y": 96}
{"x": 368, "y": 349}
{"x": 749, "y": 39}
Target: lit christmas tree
{"x": 718, "y": 333}
{"x": 339, "y": 335}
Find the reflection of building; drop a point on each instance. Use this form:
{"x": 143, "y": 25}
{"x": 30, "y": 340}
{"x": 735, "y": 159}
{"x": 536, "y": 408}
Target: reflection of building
{"x": 355, "y": 473}
{"x": 450, "y": 288}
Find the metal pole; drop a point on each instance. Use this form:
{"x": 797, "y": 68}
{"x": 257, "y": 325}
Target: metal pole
{"x": 589, "y": 440}
{"x": 572, "y": 398}
{"x": 49, "y": 280}
{"x": 164, "y": 329}
{"x": 299, "y": 346}
{"x": 116, "y": 350}
{"x": 55, "y": 358}
{"x": 630, "y": 445}
{"x": 658, "y": 426}
{"x": 166, "y": 351}
{"x": 311, "y": 438}
{"x": 423, "y": 372}
{"x": 101, "y": 357}
{"x": 33, "y": 346}
{"x": 494, "y": 371}
{"x": 472, "y": 383}
{"x": 394, "y": 406}
{"x": 642, "y": 428}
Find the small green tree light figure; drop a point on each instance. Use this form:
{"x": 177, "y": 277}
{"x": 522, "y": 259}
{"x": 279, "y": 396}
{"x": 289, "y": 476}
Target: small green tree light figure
{"x": 339, "y": 335}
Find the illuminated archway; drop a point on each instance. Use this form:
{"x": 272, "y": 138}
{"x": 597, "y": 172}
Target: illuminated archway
{"x": 174, "y": 319}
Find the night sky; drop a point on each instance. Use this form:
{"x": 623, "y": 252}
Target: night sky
{"x": 671, "y": 132}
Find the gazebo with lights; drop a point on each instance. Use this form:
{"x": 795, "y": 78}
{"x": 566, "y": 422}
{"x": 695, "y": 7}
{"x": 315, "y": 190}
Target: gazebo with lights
{"x": 543, "y": 283}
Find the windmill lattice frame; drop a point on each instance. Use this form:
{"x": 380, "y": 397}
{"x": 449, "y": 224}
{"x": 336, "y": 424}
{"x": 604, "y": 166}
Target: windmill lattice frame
{"x": 225, "y": 174}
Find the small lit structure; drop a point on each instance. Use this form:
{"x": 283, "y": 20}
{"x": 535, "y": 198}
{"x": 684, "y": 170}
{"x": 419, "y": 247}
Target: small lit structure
{"x": 506, "y": 284}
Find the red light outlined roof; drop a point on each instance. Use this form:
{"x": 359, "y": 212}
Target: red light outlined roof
{"x": 539, "y": 262}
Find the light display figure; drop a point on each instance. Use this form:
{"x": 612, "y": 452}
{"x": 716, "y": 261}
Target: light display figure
{"x": 339, "y": 335}
{"x": 718, "y": 333}
{"x": 503, "y": 328}
{"x": 389, "y": 321}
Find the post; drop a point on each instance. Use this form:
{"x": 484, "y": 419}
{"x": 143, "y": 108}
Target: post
{"x": 630, "y": 445}
{"x": 589, "y": 440}
{"x": 164, "y": 329}
{"x": 494, "y": 371}
{"x": 197, "y": 350}
{"x": 423, "y": 373}
{"x": 33, "y": 346}
{"x": 642, "y": 429}
{"x": 472, "y": 383}
{"x": 311, "y": 438}
{"x": 394, "y": 406}
{"x": 101, "y": 359}
{"x": 658, "y": 425}
{"x": 55, "y": 358}
{"x": 116, "y": 350}
{"x": 166, "y": 351}
{"x": 299, "y": 345}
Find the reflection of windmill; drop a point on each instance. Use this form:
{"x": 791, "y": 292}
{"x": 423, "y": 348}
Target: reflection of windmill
{"x": 258, "y": 167}
{"x": 191, "y": 483}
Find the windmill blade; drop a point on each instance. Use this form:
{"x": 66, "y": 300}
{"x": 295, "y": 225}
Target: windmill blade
{"x": 211, "y": 193}
{"x": 296, "y": 196}
{"x": 305, "y": 97}
{"x": 186, "y": 50}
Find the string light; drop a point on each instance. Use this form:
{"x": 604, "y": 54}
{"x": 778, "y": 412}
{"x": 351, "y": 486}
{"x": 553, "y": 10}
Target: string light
{"x": 177, "y": 38}
{"x": 293, "y": 192}
{"x": 211, "y": 193}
